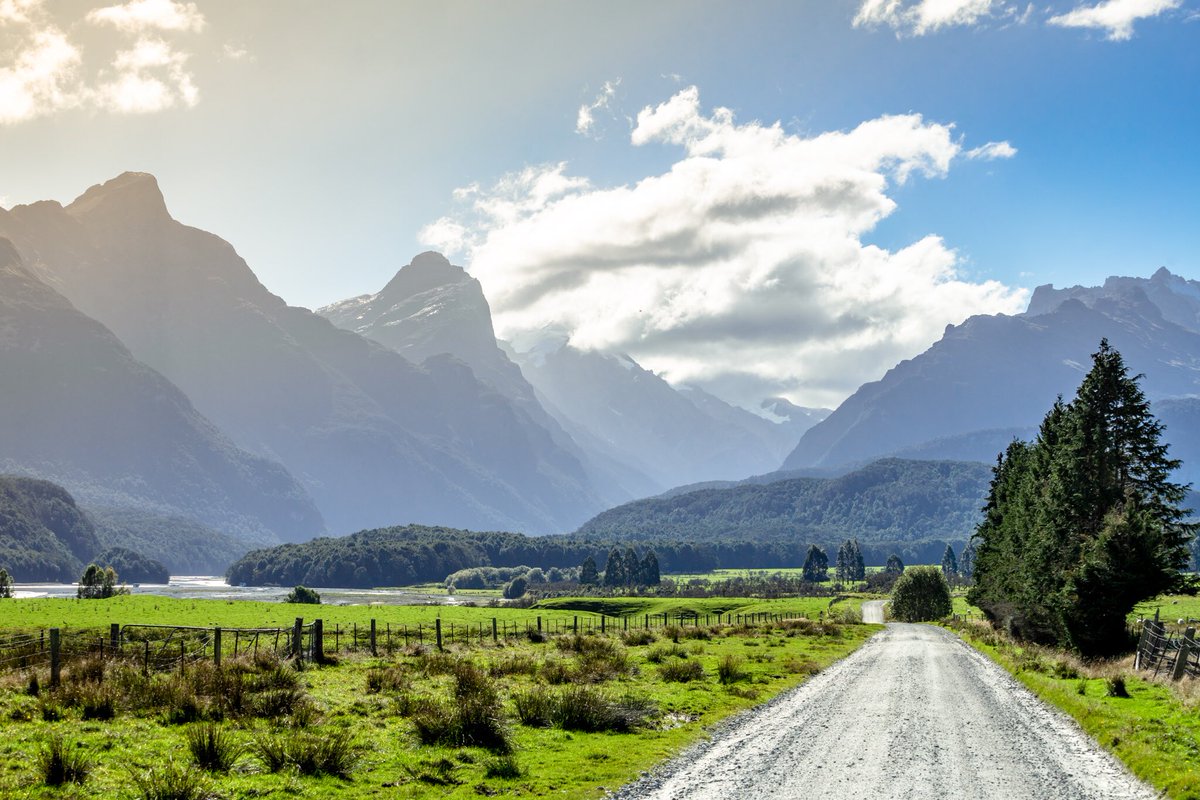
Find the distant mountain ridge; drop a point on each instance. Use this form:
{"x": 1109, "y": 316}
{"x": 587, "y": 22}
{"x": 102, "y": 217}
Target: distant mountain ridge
{"x": 43, "y": 534}
{"x": 373, "y": 438}
{"x": 994, "y": 377}
{"x": 633, "y": 433}
{"x": 78, "y": 409}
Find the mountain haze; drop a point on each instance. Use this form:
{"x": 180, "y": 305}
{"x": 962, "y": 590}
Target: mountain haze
{"x": 994, "y": 377}
{"x": 374, "y": 438}
{"x": 78, "y": 409}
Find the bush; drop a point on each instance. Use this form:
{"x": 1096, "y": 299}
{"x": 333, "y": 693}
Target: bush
{"x": 334, "y": 754}
{"x": 591, "y": 710}
{"x": 302, "y": 594}
{"x": 1115, "y": 686}
{"x": 681, "y": 671}
{"x": 729, "y": 670}
{"x": 921, "y": 594}
{"x": 171, "y": 782}
{"x": 474, "y": 719}
{"x": 61, "y": 763}
{"x": 535, "y": 707}
{"x": 213, "y": 749}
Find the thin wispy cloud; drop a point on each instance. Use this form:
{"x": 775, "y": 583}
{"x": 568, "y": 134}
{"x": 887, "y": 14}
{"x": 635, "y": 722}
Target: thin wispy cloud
{"x": 991, "y": 151}
{"x": 1115, "y": 18}
{"x": 585, "y": 120}
{"x": 139, "y": 16}
{"x": 928, "y": 16}
{"x": 47, "y": 70}
{"x": 743, "y": 266}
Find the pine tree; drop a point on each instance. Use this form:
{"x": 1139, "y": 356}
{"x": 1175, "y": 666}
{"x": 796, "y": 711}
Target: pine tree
{"x": 588, "y": 574}
{"x": 894, "y": 565}
{"x": 614, "y": 568}
{"x": 949, "y": 565}
{"x": 632, "y": 569}
{"x": 841, "y": 567}
{"x": 858, "y": 570}
{"x": 6, "y": 583}
{"x": 966, "y": 560}
{"x": 816, "y": 565}
{"x": 650, "y": 573}
{"x": 1084, "y": 522}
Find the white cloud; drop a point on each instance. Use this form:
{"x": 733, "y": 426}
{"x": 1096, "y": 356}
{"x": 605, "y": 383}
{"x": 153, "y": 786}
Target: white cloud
{"x": 235, "y": 52}
{"x": 45, "y": 71}
{"x": 41, "y": 79}
{"x": 991, "y": 151}
{"x": 445, "y": 235}
{"x": 149, "y": 77}
{"x": 742, "y": 267}
{"x": 1115, "y": 17}
{"x": 928, "y": 16}
{"x": 139, "y": 16}
{"x": 585, "y": 120}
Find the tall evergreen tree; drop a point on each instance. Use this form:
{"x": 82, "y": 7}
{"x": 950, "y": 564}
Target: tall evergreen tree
{"x": 816, "y": 565}
{"x": 1084, "y": 522}
{"x": 949, "y": 565}
{"x": 858, "y": 569}
{"x": 841, "y": 567}
{"x": 588, "y": 574}
{"x": 614, "y": 568}
{"x": 633, "y": 569}
{"x": 650, "y": 573}
{"x": 966, "y": 560}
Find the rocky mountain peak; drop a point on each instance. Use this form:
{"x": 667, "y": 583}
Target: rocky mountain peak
{"x": 130, "y": 197}
{"x": 427, "y": 271}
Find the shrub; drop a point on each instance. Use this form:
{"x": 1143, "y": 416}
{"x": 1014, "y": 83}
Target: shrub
{"x": 921, "y": 594}
{"x": 504, "y": 767}
{"x": 556, "y": 671}
{"x": 302, "y": 594}
{"x": 333, "y": 754}
{"x": 681, "y": 671}
{"x": 386, "y": 679}
{"x": 591, "y": 710}
{"x": 535, "y": 707}
{"x": 60, "y": 763}
{"x": 213, "y": 748}
{"x": 475, "y": 718}
{"x": 638, "y": 638}
{"x": 1115, "y": 686}
{"x": 170, "y": 782}
{"x": 729, "y": 670}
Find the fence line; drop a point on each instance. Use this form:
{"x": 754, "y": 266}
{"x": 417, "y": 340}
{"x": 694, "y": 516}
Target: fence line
{"x": 170, "y": 647}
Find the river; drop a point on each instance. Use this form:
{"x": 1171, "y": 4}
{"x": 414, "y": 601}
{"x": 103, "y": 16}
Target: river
{"x": 208, "y": 587}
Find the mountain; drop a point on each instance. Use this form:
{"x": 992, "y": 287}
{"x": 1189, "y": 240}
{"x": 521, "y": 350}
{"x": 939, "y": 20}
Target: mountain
{"x": 183, "y": 546}
{"x": 614, "y": 407}
{"x": 910, "y": 507}
{"x": 372, "y": 437}
{"x": 433, "y": 308}
{"x": 78, "y": 409}
{"x": 43, "y": 534}
{"x": 994, "y": 377}
{"x": 632, "y": 432}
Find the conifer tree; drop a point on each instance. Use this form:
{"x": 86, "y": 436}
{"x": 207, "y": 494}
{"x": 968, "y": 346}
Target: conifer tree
{"x": 841, "y": 567}
{"x": 1084, "y": 522}
{"x": 650, "y": 573}
{"x": 858, "y": 570}
{"x": 966, "y": 560}
{"x": 949, "y": 565}
{"x": 816, "y": 565}
{"x": 588, "y": 574}
{"x": 614, "y": 568}
{"x": 632, "y": 569}
{"x": 894, "y": 565}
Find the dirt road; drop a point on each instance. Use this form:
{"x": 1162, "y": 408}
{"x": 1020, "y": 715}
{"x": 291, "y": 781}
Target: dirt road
{"x": 872, "y": 612}
{"x": 915, "y": 713}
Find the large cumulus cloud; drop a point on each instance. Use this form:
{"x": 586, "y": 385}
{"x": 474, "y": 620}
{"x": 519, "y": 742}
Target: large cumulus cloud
{"x": 741, "y": 268}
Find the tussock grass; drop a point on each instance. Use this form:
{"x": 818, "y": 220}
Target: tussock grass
{"x": 61, "y": 762}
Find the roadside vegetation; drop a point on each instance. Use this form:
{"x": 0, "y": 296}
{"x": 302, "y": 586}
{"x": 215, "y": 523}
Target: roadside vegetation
{"x": 569, "y": 715}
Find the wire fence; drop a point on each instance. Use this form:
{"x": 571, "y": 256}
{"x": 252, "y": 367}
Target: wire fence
{"x": 170, "y": 647}
{"x": 1160, "y": 651}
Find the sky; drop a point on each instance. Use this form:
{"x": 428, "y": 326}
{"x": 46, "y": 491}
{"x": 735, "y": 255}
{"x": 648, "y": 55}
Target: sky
{"x": 758, "y": 198}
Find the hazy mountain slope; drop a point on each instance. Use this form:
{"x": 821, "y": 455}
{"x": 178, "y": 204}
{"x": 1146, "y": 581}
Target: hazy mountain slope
{"x": 1000, "y": 374}
{"x": 613, "y": 405}
{"x": 372, "y": 437}
{"x": 43, "y": 535}
{"x": 78, "y": 409}
{"x": 434, "y": 308}
{"x": 184, "y": 546}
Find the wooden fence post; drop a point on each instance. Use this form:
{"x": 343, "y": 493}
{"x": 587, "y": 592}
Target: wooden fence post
{"x": 318, "y": 641}
{"x": 539, "y": 624}
{"x": 576, "y": 625}
{"x": 438, "y": 626}
{"x": 297, "y": 631}
{"x": 55, "y": 656}
{"x": 495, "y": 634}
{"x": 602, "y": 618}
{"x": 1181, "y": 658}
{"x": 217, "y": 647}
{"x": 114, "y": 637}
{"x": 374, "y": 651}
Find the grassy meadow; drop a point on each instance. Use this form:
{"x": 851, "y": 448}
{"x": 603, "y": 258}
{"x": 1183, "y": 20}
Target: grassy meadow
{"x": 565, "y": 715}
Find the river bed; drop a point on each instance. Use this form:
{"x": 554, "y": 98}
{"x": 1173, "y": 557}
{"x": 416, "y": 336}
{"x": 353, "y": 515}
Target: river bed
{"x": 209, "y": 587}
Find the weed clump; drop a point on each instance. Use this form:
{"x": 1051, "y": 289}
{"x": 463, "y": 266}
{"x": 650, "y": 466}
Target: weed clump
{"x": 475, "y": 718}
{"x": 729, "y": 670}
{"x": 638, "y": 638}
{"x": 333, "y": 754}
{"x": 60, "y": 763}
{"x": 170, "y": 782}
{"x": 213, "y": 748}
{"x": 1115, "y": 686}
{"x": 681, "y": 671}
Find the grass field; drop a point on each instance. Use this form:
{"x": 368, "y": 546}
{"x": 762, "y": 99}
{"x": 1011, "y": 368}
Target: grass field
{"x": 1155, "y": 731}
{"x": 368, "y": 718}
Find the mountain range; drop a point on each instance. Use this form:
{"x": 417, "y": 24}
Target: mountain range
{"x": 994, "y": 377}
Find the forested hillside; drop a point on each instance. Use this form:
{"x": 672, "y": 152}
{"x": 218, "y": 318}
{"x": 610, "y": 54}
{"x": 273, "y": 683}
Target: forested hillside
{"x": 43, "y": 535}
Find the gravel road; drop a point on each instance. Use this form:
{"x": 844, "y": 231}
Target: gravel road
{"x": 914, "y": 713}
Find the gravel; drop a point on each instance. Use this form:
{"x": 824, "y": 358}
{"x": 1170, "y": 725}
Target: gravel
{"x": 914, "y": 713}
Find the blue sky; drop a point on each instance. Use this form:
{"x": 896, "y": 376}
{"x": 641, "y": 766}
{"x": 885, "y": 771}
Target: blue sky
{"x": 322, "y": 143}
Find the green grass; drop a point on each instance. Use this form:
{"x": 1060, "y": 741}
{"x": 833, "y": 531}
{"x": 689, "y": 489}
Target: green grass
{"x": 1155, "y": 732}
{"x": 1170, "y": 608}
{"x": 673, "y": 606}
{"x": 390, "y": 760}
